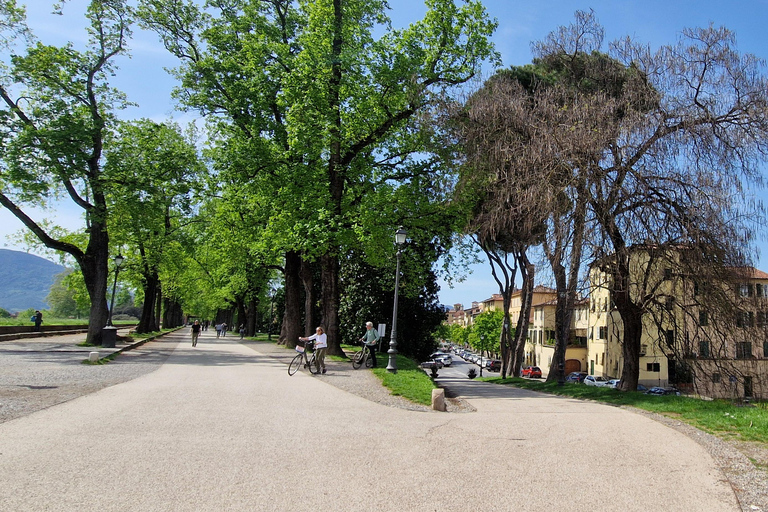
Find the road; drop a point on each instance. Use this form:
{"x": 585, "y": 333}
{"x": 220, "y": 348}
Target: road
{"x": 223, "y": 427}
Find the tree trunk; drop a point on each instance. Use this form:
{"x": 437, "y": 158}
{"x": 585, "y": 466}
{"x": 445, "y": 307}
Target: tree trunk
{"x": 330, "y": 281}
{"x": 95, "y": 269}
{"x": 291, "y": 329}
{"x": 158, "y": 304}
{"x": 527, "y": 271}
{"x": 147, "y": 323}
{"x": 309, "y": 297}
{"x": 250, "y": 316}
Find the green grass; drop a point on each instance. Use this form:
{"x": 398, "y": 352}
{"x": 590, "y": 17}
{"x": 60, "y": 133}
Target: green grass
{"x": 410, "y": 381}
{"x": 719, "y": 417}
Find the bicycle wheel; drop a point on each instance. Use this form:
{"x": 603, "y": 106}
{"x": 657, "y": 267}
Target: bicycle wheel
{"x": 295, "y": 364}
{"x": 368, "y": 360}
{"x": 357, "y": 359}
{"x": 311, "y": 364}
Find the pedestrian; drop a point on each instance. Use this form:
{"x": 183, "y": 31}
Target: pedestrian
{"x": 321, "y": 345}
{"x": 195, "y": 332}
{"x": 224, "y": 329}
{"x": 242, "y": 331}
{"x": 205, "y": 325}
{"x": 371, "y": 338}
{"x": 38, "y": 319}
{"x": 218, "y": 330}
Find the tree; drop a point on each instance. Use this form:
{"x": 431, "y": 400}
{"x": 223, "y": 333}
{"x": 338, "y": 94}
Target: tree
{"x": 57, "y": 110}
{"x": 155, "y": 171}
{"x": 62, "y": 298}
{"x": 326, "y": 108}
{"x": 676, "y": 137}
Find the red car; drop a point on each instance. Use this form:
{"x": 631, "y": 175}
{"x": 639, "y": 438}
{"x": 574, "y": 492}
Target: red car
{"x": 532, "y": 372}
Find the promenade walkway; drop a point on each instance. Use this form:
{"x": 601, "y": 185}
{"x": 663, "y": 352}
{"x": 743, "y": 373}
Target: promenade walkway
{"x": 223, "y": 427}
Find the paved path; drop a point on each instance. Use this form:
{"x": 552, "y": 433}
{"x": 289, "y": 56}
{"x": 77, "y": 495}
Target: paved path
{"x": 223, "y": 427}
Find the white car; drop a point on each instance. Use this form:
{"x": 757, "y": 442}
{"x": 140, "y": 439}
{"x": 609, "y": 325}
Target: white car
{"x": 613, "y": 383}
{"x": 444, "y": 358}
{"x": 596, "y": 380}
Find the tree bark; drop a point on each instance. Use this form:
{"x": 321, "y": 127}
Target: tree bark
{"x": 147, "y": 323}
{"x": 309, "y": 296}
{"x": 291, "y": 329}
{"x": 527, "y": 271}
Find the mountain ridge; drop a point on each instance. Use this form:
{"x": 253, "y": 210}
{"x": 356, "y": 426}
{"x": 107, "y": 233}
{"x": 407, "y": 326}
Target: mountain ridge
{"x": 25, "y": 280}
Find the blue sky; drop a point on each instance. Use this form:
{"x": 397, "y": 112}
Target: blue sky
{"x": 520, "y": 22}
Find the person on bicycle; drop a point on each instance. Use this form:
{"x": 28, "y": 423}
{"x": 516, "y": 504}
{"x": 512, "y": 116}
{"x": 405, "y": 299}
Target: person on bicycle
{"x": 321, "y": 345}
{"x": 371, "y": 338}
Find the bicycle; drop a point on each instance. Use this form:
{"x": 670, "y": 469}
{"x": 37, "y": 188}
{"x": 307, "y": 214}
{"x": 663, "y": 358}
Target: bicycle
{"x": 302, "y": 358}
{"x": 362, "y": 357}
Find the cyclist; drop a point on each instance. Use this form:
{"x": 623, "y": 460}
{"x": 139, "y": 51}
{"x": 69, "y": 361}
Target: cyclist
{"x": 371, "y": 338}
{"x": 321, "y": 345}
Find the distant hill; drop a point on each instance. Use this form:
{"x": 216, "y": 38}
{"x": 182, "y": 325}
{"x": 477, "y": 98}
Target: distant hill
{"x": 25, "y": 280}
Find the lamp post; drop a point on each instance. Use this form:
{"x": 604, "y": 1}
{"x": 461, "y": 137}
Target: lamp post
{"x": 109, "y": 333}
{"x": 118, "y": 261}
{"x": 400, "y": 236}
{"x": 271, "y": 311}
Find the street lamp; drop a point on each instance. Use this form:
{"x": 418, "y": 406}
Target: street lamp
{"x": 271, "y": 310}
{"x": 118, "y": 261}
{"x": 109, "y": 332}
{"x": 400, "y": 236}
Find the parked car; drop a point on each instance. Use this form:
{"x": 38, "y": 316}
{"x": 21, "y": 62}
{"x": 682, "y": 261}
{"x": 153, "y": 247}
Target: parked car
{"x": 431, "y": 363}
{"x": 613, "y": 383}
{"x": 658, "y": 391}
{"x": 446, "y": 359}
{"x": 494, "y": 365}
{"x": 532, "y": 372}
{"x": 596, "y": 380}
{"x": 576, "y": 377}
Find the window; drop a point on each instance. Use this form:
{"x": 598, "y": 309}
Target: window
{"x": 704, "y": 348}
{"x": 760, "y": 290}
{"x": 743, "y": 350}
{"x": 745, "y": 319}
{"x": 603, "y": 332}
{"x": 670, "y": 337}
{"x": 703, "y": 319}
{"x": 695, "y": 288}
{"x": 653, "y": 367}
{"x": 667, "y": 274}
{"x": 746, "y": 290}
{"x": 715, "y": 378}
{"x": 669, "y": 303}
{"x": 643, "y": 349}
{"x": 765, "y": 349}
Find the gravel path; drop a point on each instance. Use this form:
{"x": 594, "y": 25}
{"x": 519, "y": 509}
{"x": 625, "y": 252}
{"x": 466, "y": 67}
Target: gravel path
{"x": 36, "y": 375}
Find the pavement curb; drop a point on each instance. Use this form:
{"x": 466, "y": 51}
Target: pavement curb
{"x": 133, "y": 345}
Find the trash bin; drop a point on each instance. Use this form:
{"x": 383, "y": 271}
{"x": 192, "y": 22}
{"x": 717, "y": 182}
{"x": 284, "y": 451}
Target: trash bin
{"x": 109, "y": 336}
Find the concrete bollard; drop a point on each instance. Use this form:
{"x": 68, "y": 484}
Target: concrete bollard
{"x": 438, "y": 399}
{"x": 93, "y": 356}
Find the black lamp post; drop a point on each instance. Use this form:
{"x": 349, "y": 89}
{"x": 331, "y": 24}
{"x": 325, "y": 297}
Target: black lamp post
{"x": 271, "y": 311}
{"x": 118, "y": 261}
{"x": 400, "y": 236}
{"x": 109, "y": 332}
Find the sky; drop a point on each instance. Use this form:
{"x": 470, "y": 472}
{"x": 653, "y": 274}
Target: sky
{"x": 144, "y": 79}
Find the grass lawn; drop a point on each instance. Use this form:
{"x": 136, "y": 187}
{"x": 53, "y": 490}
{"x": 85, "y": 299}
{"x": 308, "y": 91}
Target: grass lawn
{"x": 410, "y": 381}
{"x": 720, "y": 417}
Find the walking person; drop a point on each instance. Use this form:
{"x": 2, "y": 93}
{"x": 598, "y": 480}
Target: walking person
{"x": 224, "y": 329}
{"x": 321, "y": 346}
{"x": 218, "y": 330}
{"x": 195, "y": 332}
{"x": 38, "y": 320}
{"x": 371, "y": 338}
{"x": 242, "y": 331}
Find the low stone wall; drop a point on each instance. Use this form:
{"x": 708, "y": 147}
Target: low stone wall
{"x": 15, "y": 329}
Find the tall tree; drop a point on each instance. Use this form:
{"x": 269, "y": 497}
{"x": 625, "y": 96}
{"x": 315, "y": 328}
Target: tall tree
{"x": 323, "y": 104}
{"x": 155, "y": 171}
{"x": 679, "y": 135}
{"x": 57, "y": 107}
